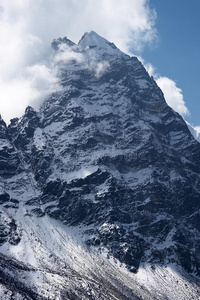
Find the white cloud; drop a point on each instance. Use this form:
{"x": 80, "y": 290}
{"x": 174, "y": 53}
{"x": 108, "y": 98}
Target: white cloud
{"x": 150, "y": 69}
{"x": 99, "y": 68}
{"x": 36, "y": 84}
{"x": 173, "y": 95}
{"x": 197, "y": 128}
{"x": 67, "y": 54}
{"x": 43, "y": 82}
{"x": 29, "y": 26}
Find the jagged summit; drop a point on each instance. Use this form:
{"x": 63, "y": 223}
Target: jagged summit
{"x": 89, "y": 41}
{"x": 57, "y": 42}
{"x": 93, "y": 40}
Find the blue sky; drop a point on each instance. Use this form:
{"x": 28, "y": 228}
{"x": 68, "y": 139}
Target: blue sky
{"x": 177, "y": 54}
{"x": 164, "y": 34}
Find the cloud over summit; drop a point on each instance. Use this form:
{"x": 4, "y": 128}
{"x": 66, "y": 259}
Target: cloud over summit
{"x": 28, "y": 28}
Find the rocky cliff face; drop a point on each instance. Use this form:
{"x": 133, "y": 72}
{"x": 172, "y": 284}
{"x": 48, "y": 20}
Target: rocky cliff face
{"x": 109, "y": 159}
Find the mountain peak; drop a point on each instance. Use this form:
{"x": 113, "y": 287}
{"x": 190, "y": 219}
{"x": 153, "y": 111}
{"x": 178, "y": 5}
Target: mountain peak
{"x": 57, "y": 42}
{"x": 93, "y": 40}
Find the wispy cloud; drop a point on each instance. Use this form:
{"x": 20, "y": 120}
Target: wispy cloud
{"x": 173, "y": 95}
{"x": 197, "y": 128}
{"x": 28, "y": 28}
{"x": 66, "y": 54}
{"x": 74, "y": 54}
{"x": 99, "y": 68}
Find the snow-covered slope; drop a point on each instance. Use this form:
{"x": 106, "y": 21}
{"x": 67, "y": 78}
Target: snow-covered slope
{"x": 52, "y": 262}
{"x": 100, "y": 189}
{"x": 194, "y": 131}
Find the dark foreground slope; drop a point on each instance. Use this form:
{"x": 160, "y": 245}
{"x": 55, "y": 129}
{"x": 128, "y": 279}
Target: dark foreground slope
{"x": 100, "y": 189}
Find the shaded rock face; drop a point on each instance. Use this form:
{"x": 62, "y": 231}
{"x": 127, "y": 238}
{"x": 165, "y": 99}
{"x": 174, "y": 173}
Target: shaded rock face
{"x": 9, "y": 160}
{"x": 109, "y": 154}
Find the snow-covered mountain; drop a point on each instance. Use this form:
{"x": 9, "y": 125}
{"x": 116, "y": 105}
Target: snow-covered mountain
{"x": 100, "y": 189}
